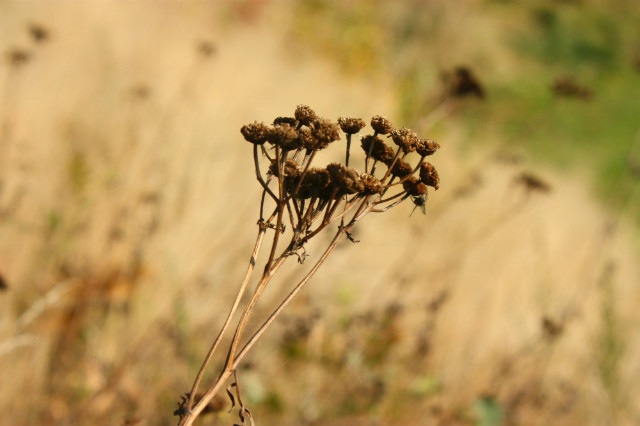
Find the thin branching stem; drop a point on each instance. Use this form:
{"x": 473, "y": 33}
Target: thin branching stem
{"x": 341, "y": 232}
{"x": 280, "y": 162}
{"x": 234, "y": 307}
{"x": 259, "y": 175}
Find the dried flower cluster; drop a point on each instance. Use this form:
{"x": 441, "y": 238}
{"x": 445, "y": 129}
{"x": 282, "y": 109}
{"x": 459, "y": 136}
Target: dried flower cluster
{"x": 300, "y": 199}
{"x": 290, "y": 145}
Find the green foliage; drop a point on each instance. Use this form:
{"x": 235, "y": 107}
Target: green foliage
{"x": 488, "y": 411}
{"x": 273, "y": 401}
{"x": 425, "y": 385}
{"x": 610, "y": 340}
{"x": 573, "y": 38}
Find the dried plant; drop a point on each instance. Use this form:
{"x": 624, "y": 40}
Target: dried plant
{"x": 300, "y": 201}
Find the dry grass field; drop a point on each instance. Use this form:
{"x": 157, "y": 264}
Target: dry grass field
{"x": 128, "y": 209}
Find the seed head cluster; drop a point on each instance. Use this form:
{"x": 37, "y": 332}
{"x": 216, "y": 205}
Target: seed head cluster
{"x": 392, "y": 171}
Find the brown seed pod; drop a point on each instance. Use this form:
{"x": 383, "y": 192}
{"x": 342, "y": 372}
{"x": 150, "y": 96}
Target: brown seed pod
{"x": 324, "y": 132}
{"x": 414, "y": 187}
{"x": 291, "y": 169}
{"x": 315, "y": 183}
{"x": 347, "y": 180}
{"x": 305, "y": 115}
{"x": 285, "y": 120}
{"x": 256, "y": 133}
{"x": 405, "y": 139}
{"x": 306, "y": 138}
{"x": 292, "y": 172}
{"x": 285, "y": 136}
{"x": 381, "y": 124}
{"x": 371, "y": 184}
{"x": 401, "y": 168}
{"x": 351, "y": 125}
{"x": 429, "y": 175}
{"x": 379, "y": 150}
{"x": 426, "y": 147}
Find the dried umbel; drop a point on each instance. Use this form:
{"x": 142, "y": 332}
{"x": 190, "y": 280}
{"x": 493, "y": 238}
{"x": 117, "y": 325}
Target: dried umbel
{"x": 301, "y": 199}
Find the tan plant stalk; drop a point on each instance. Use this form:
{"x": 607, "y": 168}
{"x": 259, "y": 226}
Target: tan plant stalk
{"x": 307, "y": 201}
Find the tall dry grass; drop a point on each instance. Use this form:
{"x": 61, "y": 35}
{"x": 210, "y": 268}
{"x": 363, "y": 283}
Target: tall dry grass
{"x": 122, "y": 240}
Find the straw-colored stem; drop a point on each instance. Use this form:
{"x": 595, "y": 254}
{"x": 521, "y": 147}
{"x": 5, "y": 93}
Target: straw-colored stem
{"x": 280, "y": 160}
{"x": 243, "y": 286}
{"x": 341, "y": 232}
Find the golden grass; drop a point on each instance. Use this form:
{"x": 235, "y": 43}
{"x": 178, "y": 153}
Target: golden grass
{"x": 128, "y": 209}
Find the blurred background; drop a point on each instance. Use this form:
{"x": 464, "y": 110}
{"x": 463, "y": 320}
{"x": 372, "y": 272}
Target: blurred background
{"x": 128, "y": 210}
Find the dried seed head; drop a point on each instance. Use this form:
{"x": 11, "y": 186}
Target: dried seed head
{"x": 38, "y": 33}
{"x": 381, "y": 124}
{"x": 401, "y": 168}
{"x": 414, "y": 187}
{"x": 291, "y": 169}
{"x": 426, "y": 147}
{"x": 371, "y": 184}
{"x": 285, "y": 120}
{"x": 306, "y": 138}
{"x": 315, "y": 183}
{"x": 256, "y": 133}
{"x": 324, "y": 132}
{"x": 285, "y": 136}
{"x": 429, "y": 175}
{"x": 305, "y": 115}
{"x": 345, "y": 179}
{"x": 405, "y": 139}
{"x": 532, "y": 183}
{"x": 350, "y": 125}
{"x": 18, "y": 56}
{"x": 379, "y": 150}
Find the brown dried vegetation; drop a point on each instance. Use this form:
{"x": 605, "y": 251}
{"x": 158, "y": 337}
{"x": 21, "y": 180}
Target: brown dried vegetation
{"x": 307, "y": 200}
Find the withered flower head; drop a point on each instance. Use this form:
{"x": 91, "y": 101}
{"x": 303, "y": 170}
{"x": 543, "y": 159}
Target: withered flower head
{"x": 305, "y": 115}
{"x": 350, "y": 125}
{"x": 371, "y": 184}
{"x": 256, "y": 133}
{"x": 324, "y": 132}
{"x": 315, "y": 183}
{"x": 285, "y": 136}
{"x": 401, "y": 168}
{"x": 426, "y": 147}
{"x": 345, "y": 179}
{"x": 285, "y": 120}
{"x": 429, "y": 175}
{"x": 292, "y": 174}
{"x": 405, "y": 138}
{"x": 38, "y": 33}
{"x": 378, "y": 149}
{"x": 532, "y": 182}
{"x": 381, "y": 124}
{"x": 18, "y": 56}
{"x": 414, "y": 187}
{"x": 306, "y": 138}
{"x": 291, "y": 169}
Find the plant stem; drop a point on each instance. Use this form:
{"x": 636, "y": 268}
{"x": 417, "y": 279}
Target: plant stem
{"x": 243, "y": 286}
{"x": 341, "y": 232}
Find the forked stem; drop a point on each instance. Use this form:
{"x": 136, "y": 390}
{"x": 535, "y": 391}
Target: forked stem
{"x": 243, "y": 286}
